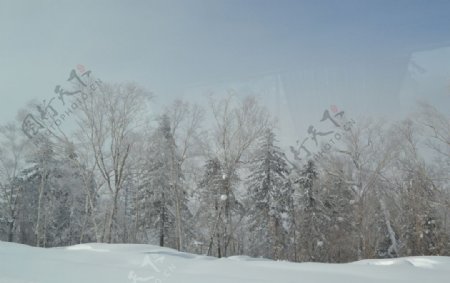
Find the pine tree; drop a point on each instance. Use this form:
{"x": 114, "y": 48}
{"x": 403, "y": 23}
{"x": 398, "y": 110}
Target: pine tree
{"x": 54, "y": 196}
{"x": 340, "y": 231}
{"x": 313, "y": 218}
{"x": 269, "y": 197}
{"x": 164, "y": 194}
{"x": 210, "y": 212}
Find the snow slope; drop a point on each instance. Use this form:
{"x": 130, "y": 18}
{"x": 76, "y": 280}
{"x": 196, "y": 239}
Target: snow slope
{"x": 145, "y": 263}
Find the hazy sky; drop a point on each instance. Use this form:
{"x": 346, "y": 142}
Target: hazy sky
{"x": 364, "y": 56}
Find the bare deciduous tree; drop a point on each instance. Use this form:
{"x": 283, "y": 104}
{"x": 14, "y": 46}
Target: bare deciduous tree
{"x": 12, "y": 151}
{"x": 238, "y": 125}
{"x": 108, "y": 120}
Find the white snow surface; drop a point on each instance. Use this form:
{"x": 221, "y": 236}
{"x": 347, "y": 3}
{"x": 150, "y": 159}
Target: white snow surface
{"x": 146, "y": 263}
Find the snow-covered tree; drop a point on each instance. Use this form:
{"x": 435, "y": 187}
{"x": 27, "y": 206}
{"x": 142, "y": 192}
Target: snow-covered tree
{"x": 12, "y": 157}
{"x": 108, "y": 121}
{"x": 313, "y": 223}
{"x": 210, "y": 215}
{"x": 239, "y": 123}
{"x": 164, "y": 197}
{"x": 338, "y": 200}
{"x": 269, "y": 197}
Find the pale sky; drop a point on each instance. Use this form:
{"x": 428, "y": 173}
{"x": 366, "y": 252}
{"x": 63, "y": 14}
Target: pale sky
{"x": 360, "y": 55}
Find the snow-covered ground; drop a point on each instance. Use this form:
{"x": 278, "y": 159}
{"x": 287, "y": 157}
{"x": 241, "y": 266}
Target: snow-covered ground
{"x": 145, "y": 263}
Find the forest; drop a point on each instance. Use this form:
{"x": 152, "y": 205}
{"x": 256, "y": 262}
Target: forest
{"x": 213, "y": 179}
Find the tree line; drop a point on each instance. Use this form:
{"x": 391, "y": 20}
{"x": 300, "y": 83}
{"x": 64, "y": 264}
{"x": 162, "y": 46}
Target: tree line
{"x": 217, "y": 182}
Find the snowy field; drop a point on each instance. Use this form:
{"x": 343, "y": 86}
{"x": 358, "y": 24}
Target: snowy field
{"x": 145, "y": 263}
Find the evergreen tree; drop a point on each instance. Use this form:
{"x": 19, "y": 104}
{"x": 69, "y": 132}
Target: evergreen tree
{"x": 340, "y": 231}
{"x": 210, "y": 212}
{"x": 269, "y": 197}
{"x": 164, "y": 194}
{"x": 54, "y": 197}
{"x": 313, "y": 217}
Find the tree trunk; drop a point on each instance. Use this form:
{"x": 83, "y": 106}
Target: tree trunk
{"x": 111, "y": 217}
{"x": 11, "y": 230}
{"x": 162, "y": 219}
{"x": 39, "y": 212}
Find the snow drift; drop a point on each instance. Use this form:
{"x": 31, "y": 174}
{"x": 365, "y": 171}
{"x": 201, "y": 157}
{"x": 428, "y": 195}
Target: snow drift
{"x": 145, "y": 263}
